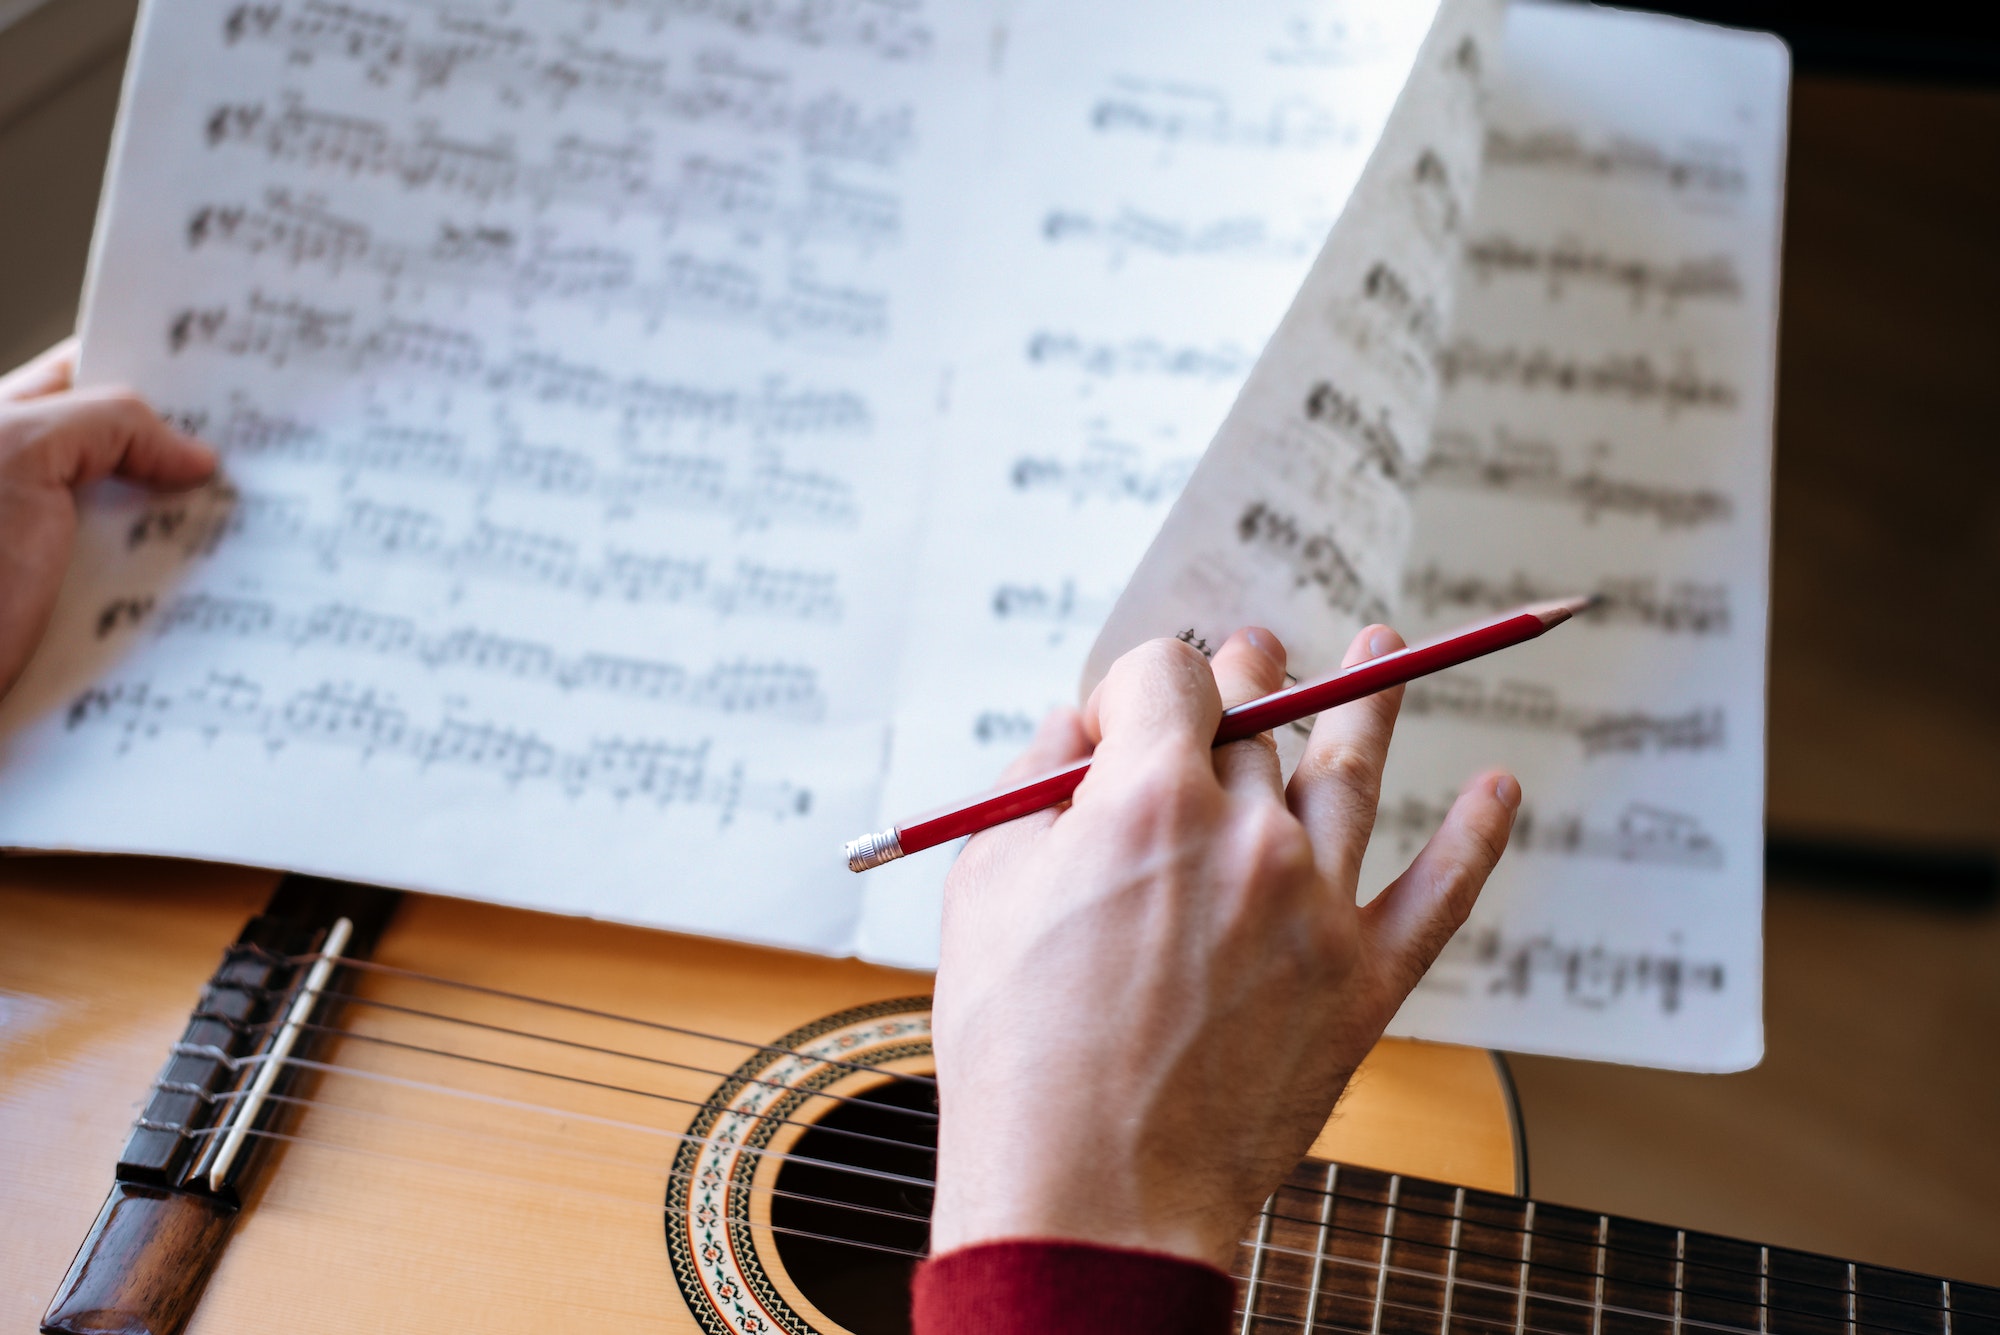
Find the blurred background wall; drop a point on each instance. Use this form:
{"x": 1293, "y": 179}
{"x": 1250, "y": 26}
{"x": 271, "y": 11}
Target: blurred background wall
{"x": 1873, "y": 1128}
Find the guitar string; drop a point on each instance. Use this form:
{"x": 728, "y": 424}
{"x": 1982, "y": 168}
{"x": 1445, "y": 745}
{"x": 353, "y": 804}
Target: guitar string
{"x": 1721, "y": 1270}
{"x": 1373, "y": 1267}
{"x": 418, "y": 976}
{"x": 413, "y": 975}
{"x": 348, "y": 998}
{"x": 585, "y": 1081}
{"x": 652, "y": 1168}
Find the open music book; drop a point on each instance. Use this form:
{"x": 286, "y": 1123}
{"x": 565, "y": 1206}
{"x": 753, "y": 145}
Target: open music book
{"x": 666, "y": 438}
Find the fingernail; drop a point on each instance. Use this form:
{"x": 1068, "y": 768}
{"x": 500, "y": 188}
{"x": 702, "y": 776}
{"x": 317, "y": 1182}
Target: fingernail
{"x": 1508, "y": 791}
{"x": 1380, "y": 642}
{"x": 1265, "y": 642}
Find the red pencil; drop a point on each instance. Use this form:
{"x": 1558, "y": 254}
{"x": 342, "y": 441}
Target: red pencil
{"x": 1245, "y": 720}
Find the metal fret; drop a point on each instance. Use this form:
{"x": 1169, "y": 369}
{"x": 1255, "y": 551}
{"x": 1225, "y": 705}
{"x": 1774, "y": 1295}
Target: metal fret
{"x": 1451, "y": 1260}
{"x": 1382, "y": 1265}
{"x": 1764, "y": 1291}
{"x": 1319, "y": 1247}
{"x": 1945, "y": 1285}
{"x": 1680, "y": 1275}
{"x": 1257, "y": 1263}
{"x": 1597, "y": 1289}
{"x": 1521, "y": 1299}
{"x": 1850, "y": 1298}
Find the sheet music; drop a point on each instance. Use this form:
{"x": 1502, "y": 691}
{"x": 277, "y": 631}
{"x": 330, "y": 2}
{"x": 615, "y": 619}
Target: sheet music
{"x": 1128, "y": 287}
{"x": 574, "y": 369}
{"x": 580, "y": 371}
{"x": 1606, "y": 426}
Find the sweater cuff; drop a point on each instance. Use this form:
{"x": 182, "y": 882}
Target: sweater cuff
{"x": 1029, "y": 1286}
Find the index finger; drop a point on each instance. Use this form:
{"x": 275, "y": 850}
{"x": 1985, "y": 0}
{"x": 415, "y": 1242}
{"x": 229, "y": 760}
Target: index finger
{"x": 1159, "y": 699}
{"x": 51, "y": 373}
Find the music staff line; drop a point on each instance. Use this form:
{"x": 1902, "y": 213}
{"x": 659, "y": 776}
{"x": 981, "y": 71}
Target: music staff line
{"x": 1107, "y": 358}
{"x": 741, "y": 195}
{"x": 779, "y": 689}
{"x": 717, "y": 89}
{"x": 368, "y": 530}
{"x": 371, "y": 723}
{"x": 498, "y": 259}
{"x": 1680, "y": 607}
{"x": 1712, "y": 174}
{"x": 288, "y": 330}
{"x": 1642, "y": 833}
{"x": 1595, "y": 977}
{"x": 891, "y": 29}
{"x": 1534, "y": 707}
{"x": 765, "y": 493}
{"x": 1568, "y": 261}
{"x": 1634, "y": 377}
{"x": 1533, "y": 469}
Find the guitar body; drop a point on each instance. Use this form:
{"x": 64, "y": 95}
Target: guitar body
{"x": 470, "y": 1160}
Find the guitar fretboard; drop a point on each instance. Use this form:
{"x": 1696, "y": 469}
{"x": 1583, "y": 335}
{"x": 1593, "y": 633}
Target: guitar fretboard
{"x": 1353, "y": 1250}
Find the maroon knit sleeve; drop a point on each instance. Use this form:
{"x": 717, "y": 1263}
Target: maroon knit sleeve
{"x": 1035, "y": 1287}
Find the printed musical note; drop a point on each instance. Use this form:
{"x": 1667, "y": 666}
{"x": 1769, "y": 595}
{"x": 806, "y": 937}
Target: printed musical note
{"x": 1000, "y": 728}
{"x": 754, "y": 494}
{"x": 1107, "y": 470}
{"x": 284, "y": 331}
{"x": 1488, "y": 962}
{"x": 1138, "y": 356}
{"x": 1642, "y": 833}
{"x": 498, "y": 258}
{"x": 891, "y": 29}
{"x": 1635, "y": 377}
{"x": 373, "y": 724}
{"x": 745, "y": 197}
{"x": 1647, "y": 601}
{"x": 1132, "y": 230}
{"x": 199, "y": 525}
{"x": 787, "y": 690}
{"x": 1177, "y": 113}
{"x": 1711, "y": 171}
{"x": 1570, "y": 260}
{"x": 1315, "y": 559}
{"x": 1533, "y": 469}
{"x": 1536, "y": 707}
{"x": 431, "y": 53}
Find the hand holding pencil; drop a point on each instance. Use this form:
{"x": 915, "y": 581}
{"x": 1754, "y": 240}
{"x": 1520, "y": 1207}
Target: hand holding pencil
{"x": 1244, "y": 720}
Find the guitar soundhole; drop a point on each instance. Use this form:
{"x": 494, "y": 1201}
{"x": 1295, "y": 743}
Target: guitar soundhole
{"x": 844, "y": 1227}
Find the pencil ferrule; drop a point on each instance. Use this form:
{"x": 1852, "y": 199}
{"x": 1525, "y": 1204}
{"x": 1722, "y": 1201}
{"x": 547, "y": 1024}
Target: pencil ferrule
{"x": 872, "y": 850}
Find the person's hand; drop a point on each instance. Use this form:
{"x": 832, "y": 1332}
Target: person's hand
{"x": 54, "y": 439}
{"x": 1149, "y": 1001}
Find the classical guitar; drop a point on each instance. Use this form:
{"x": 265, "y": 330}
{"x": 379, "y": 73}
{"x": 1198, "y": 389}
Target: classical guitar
{"x": 229, "y": 1106}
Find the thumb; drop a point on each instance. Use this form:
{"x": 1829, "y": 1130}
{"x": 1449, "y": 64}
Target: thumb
{"x": 93, "y": 434}
{"x": 1408, "y": 924}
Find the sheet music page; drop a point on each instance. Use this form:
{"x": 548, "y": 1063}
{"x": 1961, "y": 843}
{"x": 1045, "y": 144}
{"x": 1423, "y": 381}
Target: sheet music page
{"x": 1157, "y": 193}
{"x": 1606, "y": 426}
{"x": 574, "y": 370}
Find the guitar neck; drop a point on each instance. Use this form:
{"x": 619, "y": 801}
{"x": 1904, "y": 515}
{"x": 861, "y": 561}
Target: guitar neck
{"x": 1351, "y": 1249}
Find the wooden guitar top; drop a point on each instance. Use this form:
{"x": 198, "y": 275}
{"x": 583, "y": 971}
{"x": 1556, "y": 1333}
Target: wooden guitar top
{"x": 490, "y": 1215}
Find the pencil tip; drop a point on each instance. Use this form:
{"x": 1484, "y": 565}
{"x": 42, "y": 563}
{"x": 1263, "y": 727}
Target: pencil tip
{"x": 1558, "y": 610}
